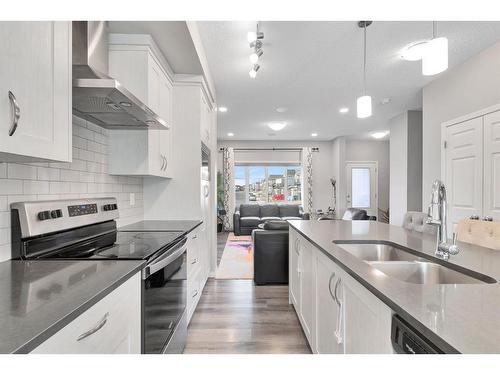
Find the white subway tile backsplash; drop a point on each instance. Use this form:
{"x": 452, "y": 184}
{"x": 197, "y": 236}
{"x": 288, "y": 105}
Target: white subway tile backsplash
{"x": 59, "y": 187}
{"x": 3, "y": 203}
{"x": 21, "y": 171}
{"x": 35, "y": 187}
{"x": 49, "y": 174}
{"x": 85, "y": 177}
{"x": 3, "y": 170}
{"x": 8, "y": 186}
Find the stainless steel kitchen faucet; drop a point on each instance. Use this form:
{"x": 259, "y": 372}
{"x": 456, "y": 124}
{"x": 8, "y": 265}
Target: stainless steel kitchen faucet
{"x": 437, "y": 216}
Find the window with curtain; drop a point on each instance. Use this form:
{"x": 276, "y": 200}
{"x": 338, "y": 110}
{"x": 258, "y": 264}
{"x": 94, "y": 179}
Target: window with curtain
{"x": 268, "y": 184}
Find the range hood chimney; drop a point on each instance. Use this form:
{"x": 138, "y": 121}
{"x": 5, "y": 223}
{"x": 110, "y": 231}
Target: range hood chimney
{"x": 97, "y": 97}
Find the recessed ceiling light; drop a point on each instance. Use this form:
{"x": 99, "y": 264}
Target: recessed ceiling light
{"x": 277, "y": 125}
{"x": 222, "y": 109}
{"x": 344, "y": 110}
{"x": 230, "y": 134}
{"x": 281, "y": 109}
{"x": 379, "y": 135}
{"x": 414, "y": 51}
{"x": 314, "y": 134}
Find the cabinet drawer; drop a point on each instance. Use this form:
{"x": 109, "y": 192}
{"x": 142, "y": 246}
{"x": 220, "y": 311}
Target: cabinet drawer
{"x": 112, "y": 325}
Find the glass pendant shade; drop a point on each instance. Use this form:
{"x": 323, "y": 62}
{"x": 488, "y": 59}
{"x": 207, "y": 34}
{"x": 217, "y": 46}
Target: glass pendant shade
{"x": 364, "y": 106}
{"x": 435, "y": 58}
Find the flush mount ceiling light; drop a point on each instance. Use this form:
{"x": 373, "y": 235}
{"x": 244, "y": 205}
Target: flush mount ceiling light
{"x": 230, "y": 134}
{"x": 379, "y": 135}
{"x": 364, "y": 102}
{"x": 222, "y": 109}
{"x": 314, "y": 134}
{"x": 435, "y": 59}
{"x": 277, "y": 125}
{"x": 414, "y": 51}
{"x": 344, "y": 110}
{"x": 255, "y": 39}
{"x": 281, "y": 109}
{"x": 253, "y": 72}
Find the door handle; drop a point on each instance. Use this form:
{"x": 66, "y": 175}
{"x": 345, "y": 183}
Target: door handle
{"x": 91, "y": 331}
{"x": 16, "y": 111}
{"x": 166, "y": 162}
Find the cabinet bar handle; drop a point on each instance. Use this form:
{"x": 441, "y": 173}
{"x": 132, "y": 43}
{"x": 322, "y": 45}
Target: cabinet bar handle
{"x": 16, "y": 111}
{"x": 91, "y": 331}
{"x": 195, "y": 294}
{"x": 194, "y": 261}
{"x": 330, "y": 287}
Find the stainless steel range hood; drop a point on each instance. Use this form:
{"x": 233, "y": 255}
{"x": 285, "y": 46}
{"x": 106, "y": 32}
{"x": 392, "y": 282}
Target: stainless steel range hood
{"x": 97, "y": 97}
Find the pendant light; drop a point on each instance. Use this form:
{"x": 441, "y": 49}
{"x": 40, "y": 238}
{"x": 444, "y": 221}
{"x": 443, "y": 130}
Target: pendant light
{"x": 435, "y": 58}
{"x": 364, "y": 103}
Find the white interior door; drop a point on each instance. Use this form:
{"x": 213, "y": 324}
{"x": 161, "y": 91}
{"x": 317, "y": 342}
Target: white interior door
{"x": 492, "y": 165}
{"x": 463, "y": 170}
{"x": 362, "y": 186}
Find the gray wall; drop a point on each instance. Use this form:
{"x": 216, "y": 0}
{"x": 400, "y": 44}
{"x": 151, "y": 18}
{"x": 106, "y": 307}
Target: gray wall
{"x": 405, "y": 165}
{"x": 361, "y": 150}
{"x": 467, "y": 88}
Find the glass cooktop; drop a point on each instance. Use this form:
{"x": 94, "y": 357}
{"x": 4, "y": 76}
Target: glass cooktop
{"x": 120, "y": 245}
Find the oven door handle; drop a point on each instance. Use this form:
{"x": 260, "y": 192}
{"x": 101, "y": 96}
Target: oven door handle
{"x": 165, "y": 260}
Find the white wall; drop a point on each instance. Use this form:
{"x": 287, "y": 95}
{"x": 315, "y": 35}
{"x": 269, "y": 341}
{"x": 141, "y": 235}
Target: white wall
{"x": 322, "y": 165}
{"x": 467, "y": 88}
{"x": 85, "y": 177}
{"x": 367, "y": 150}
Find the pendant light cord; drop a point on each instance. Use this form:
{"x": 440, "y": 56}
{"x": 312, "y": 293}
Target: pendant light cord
{"x": 364, "y": 60}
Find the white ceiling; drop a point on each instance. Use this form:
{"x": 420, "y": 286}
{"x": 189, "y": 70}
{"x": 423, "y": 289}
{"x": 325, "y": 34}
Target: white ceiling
{"x": 314, "y": 68}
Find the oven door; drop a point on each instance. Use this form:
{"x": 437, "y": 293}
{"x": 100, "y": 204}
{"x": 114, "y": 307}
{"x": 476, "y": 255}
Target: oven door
{"x": 164, "y": 297}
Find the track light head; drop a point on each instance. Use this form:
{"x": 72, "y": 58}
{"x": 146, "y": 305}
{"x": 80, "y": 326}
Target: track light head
{"x": 254, "y": 57}
{"x": 253, "y": 73}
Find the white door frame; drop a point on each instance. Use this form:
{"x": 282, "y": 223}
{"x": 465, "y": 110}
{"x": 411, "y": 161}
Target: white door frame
{"x": 373, "y": 210}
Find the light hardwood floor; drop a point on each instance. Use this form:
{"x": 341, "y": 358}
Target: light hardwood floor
{"x": 235, "y": 316}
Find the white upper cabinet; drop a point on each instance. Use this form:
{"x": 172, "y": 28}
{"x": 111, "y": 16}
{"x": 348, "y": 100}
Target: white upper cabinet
{"x": 463, "y": 170}
{"x": 205, "y": 122}
{"x": 492, "y": 165}
{"x": 470, "y": 163}
{"x": 35, "y": 82}
{"x": 136, "y": 62}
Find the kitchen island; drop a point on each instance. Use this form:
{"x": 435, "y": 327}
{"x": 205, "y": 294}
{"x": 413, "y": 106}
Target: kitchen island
{"x": 458, "y": 318}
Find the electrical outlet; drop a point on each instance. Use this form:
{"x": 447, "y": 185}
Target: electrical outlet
{"x": 132, "y": 199}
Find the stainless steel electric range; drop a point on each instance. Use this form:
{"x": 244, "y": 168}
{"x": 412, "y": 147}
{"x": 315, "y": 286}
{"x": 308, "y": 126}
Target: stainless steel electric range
{"x": 85, "y": 229}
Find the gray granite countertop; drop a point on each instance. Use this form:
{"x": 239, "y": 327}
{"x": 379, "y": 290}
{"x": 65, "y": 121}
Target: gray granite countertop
{"x": 463, "y": 318}
{"x": 37, "y": 298}
{"x": 185, "y": 226}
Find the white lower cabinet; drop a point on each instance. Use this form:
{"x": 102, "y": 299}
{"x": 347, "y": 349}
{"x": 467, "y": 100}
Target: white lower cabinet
{"x": 337, "y": 313}
{"x": 112, "y": 325}
{"x": 197, "y": 256}
{"x": 327, "y": 339}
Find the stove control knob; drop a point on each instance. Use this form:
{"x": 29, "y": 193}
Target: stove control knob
{"x": 55, "y": 214}
{"x": 106, "y": 207}
{"x": 43, "y": 215}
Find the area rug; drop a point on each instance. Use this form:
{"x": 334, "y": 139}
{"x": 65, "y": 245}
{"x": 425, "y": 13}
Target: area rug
{"x": 237, "y": 259}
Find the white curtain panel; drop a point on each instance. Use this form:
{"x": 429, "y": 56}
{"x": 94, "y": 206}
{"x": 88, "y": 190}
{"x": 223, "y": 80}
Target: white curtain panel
{"x": 229, "y": 197}
{"x": 307, "y": 183}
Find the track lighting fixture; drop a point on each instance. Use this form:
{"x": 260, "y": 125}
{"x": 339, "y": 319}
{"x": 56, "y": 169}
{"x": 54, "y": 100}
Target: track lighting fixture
{"x": 255, "y": 40}
{"x": 364, "y": 102}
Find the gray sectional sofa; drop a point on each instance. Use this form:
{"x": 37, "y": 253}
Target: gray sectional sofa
{"x": 249, "y": 216}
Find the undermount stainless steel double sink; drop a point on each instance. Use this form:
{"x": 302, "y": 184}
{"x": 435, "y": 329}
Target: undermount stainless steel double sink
{"x": 400, "y": 264}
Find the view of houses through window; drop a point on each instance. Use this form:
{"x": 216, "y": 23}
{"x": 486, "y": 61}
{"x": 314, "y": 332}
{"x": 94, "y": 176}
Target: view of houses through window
{"x": 268, "y": 184}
